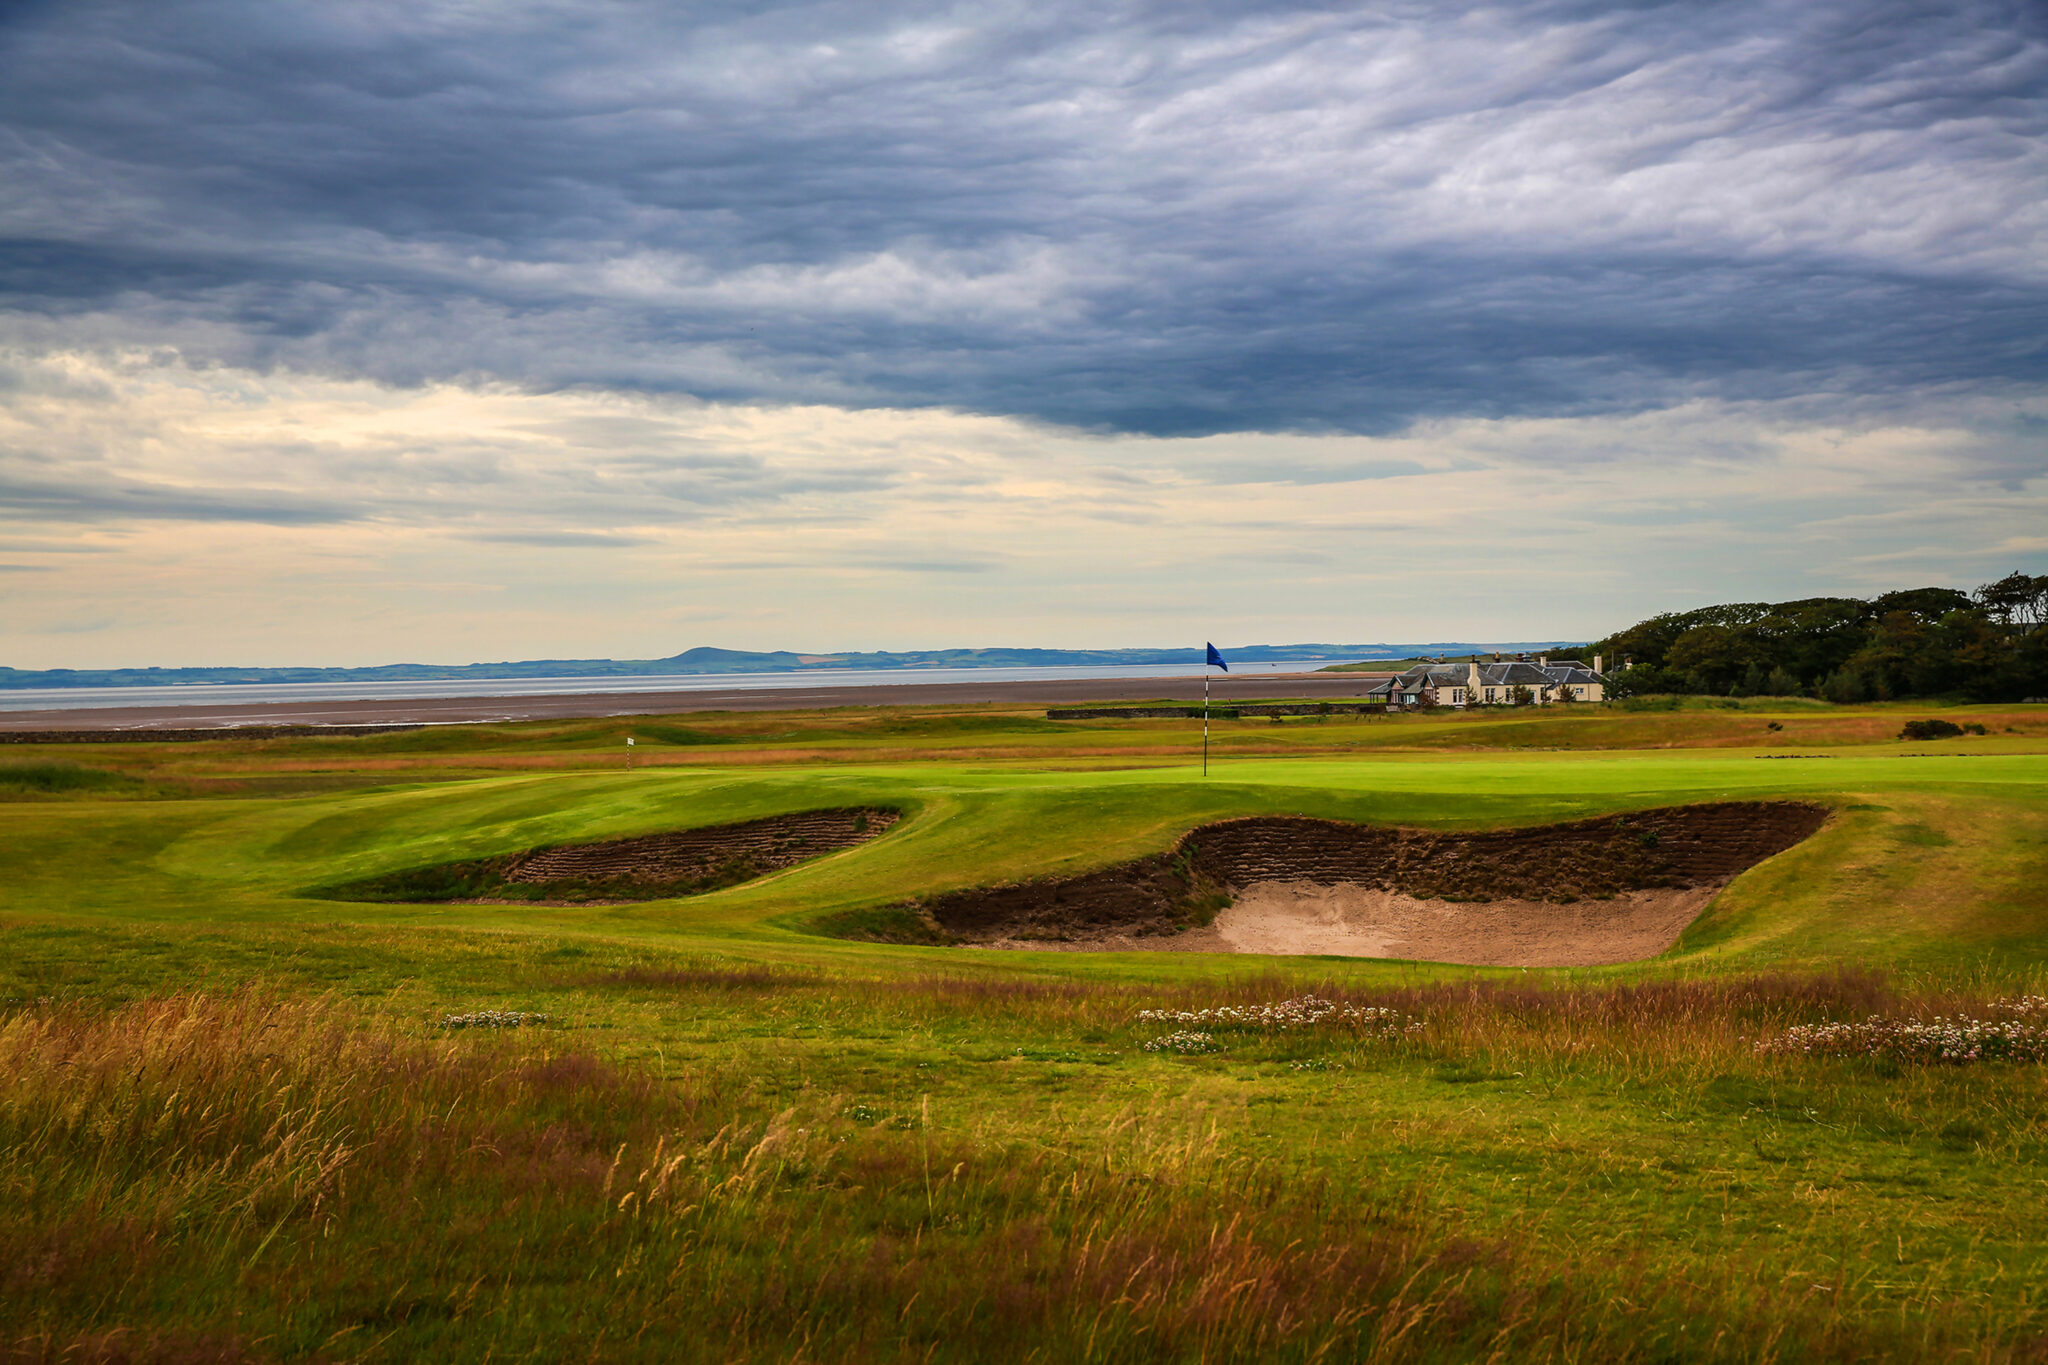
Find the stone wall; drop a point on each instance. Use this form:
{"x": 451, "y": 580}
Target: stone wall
{"x": 1239, "y": 711}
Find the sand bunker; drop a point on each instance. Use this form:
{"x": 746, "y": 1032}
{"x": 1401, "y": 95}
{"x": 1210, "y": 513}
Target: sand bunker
{"x": 649, "y": 867}
{"x": 1613, "y": 889}
{"x": 1296, "y": 918}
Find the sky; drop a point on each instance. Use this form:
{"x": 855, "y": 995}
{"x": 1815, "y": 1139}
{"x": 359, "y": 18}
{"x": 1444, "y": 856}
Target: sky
{"x": 346, "y": 334}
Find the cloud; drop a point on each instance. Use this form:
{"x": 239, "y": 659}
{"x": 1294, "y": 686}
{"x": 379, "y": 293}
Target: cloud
{"x": 558, "y": 540}
{"x": 931, "y": 566}
{"x": 1140, "y": 217}
{"x": 123, "y": 500}
{"x": 350, "y": 332}
{"x": 227, "y": 514}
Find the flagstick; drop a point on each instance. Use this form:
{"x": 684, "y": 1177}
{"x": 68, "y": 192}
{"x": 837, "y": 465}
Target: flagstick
{"x": 1205, "y": 720}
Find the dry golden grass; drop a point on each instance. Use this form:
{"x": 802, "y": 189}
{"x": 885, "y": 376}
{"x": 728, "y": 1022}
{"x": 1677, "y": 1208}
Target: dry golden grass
{"x": 241, "y": 1177}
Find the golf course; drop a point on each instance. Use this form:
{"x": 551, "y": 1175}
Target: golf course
{"x": 388, "y": 1046}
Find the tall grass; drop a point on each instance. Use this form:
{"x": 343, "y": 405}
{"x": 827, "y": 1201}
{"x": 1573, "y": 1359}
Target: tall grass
{"x": 52, "y": 777}
{"x": 241, "y": 1177}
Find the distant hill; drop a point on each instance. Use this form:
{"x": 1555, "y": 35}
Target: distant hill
{"x": 705, "y": 659}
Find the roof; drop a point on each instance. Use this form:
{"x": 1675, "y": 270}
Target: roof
{"x": 1507, "y": 673}
{"x": 1436, "y": 673}
{"x": 1513, "y": 675}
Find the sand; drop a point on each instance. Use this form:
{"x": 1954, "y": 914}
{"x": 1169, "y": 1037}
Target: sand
{"x": 1293, "y": 918}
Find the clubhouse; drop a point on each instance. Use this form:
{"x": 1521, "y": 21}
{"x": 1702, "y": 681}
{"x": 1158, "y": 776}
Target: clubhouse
{"x": 1501, "y": 682}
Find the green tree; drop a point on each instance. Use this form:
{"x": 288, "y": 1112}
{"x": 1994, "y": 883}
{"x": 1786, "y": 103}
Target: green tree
{"x": 1903, "y": 658}
{"x": 1929, "y": 641}
{"x": 1812, "y": 637}
{"x": 1642, "y": 681}
{"x": 1846, "y": 687}
{"x": 1929, "y": 604}
{"x": 1649, "y": 642}
{"x": 1713, "y": 657}
{"x": 2017, "y": 600}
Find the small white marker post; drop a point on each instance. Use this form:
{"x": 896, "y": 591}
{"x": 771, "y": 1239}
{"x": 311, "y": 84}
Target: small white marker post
{"x": 629, "y": 753}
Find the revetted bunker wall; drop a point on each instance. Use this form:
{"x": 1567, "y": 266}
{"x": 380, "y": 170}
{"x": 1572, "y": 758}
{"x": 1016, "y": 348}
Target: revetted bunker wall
{"x": 775, "y": 842}
{"x": 645, "y": 867}
{"x": 1677, "y": 846}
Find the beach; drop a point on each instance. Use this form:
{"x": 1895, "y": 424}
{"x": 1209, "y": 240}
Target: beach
{"x": 460, "y": 709}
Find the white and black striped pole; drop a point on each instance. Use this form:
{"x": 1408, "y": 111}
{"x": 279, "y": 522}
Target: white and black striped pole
{"x": 1210, "y": 660}
{"x": 629, "y": 753}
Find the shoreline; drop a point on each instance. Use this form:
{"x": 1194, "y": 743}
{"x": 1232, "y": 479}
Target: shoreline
{"x": 457, "y": 708}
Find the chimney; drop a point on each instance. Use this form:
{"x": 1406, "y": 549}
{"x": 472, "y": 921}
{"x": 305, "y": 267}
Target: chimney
{"x": 1596, "y": 665}
{"x": 1496, "y": 656}
{"x": 1543, "y": 661}
{"x": 1521, "y": 658}
{"x": 1472, "y": 678}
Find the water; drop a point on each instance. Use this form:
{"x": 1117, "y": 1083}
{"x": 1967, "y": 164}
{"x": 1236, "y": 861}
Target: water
{"x": 245, "y": 694}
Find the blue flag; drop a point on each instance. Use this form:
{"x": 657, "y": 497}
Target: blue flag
{"x": 1216, "y": 660}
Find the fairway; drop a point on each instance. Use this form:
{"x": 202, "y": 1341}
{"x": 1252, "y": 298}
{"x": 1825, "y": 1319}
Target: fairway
{"x": 726, "y": 1129}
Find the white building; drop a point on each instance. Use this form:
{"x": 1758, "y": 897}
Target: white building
{"x": 1477, "y": 683}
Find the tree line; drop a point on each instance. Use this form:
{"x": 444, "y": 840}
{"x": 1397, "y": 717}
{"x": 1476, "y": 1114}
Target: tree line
{"x": 1987, "y": 645}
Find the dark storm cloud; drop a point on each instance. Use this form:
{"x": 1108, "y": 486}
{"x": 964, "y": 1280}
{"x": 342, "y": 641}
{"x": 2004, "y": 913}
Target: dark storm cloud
{"x": 1166, "y": 218}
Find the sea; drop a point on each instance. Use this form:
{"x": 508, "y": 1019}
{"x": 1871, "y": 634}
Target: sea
{"x": 243, "y": 694}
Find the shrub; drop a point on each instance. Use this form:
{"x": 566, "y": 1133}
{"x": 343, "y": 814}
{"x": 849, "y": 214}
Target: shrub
{"x": 1934, "y": 728}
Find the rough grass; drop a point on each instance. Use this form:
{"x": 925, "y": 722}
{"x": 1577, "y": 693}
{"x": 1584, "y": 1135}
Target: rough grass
{"x": 1008, "y": 733}
{"x": 54, "y": 776}
{"x": 248, "y": 1177}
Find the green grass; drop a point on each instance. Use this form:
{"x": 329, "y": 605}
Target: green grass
{"x": 231, "y": 1126}
{"x": 51, "y": 777}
